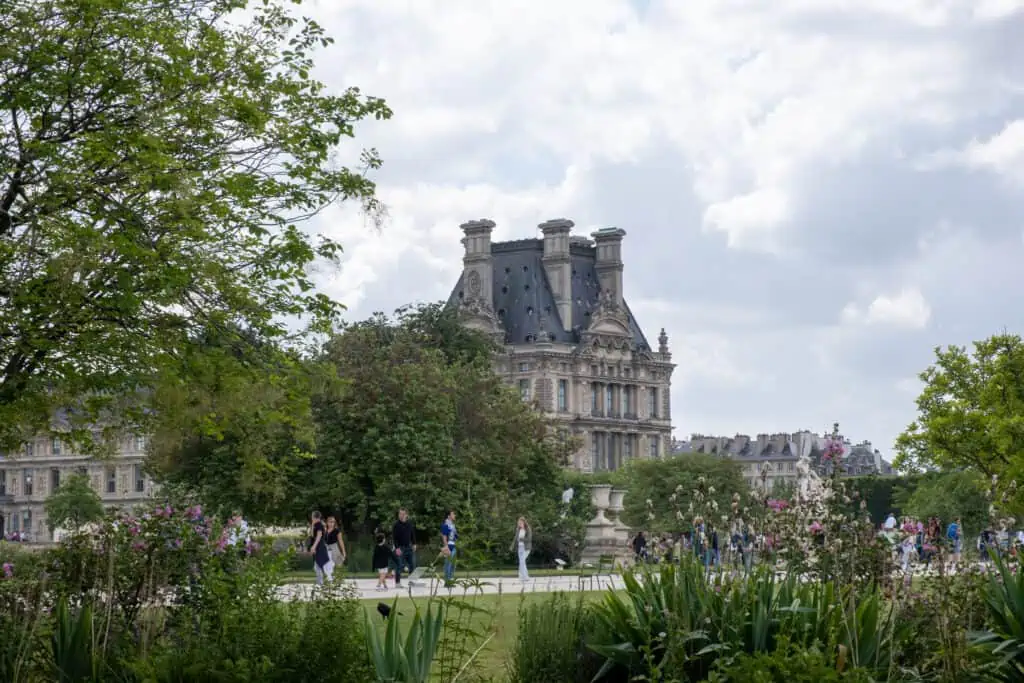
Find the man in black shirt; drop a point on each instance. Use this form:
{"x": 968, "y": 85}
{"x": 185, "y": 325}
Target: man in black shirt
{"x": 403, "y": 535}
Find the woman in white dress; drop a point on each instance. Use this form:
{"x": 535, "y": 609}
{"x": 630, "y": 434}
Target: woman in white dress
{"x": 522, "y": 544}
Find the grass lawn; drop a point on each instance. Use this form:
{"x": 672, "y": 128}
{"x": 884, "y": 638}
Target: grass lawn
{"x": 501, "y": 619}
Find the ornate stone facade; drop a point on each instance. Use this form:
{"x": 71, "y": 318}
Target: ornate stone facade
{"x": 29, "y": 477}
{"x": 570, "y": 343}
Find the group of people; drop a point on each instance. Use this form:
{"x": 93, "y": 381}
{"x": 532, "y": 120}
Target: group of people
{"x": 397, "y": 553}
{"x": 703, "y": 540}
{"x": 919, "y": 541}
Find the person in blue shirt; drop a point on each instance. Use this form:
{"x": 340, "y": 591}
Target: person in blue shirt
{"x": 448, "y": 537}
{"x": 954, "y": 534}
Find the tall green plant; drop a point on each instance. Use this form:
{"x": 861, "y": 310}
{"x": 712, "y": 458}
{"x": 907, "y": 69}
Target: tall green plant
{"x": 1003, "y": 642}
{"x": 550, "y": 643}
{"x": 411, "y": 660}
{"x": 75, "y": 659}
{"x": 675, "y": 624}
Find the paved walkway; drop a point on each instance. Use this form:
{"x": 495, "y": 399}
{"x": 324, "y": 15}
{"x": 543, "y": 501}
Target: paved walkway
{"x": 366, "y": 588}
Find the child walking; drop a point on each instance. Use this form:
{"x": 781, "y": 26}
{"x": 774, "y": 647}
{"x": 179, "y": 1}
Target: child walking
{"x": 381, "y": 562}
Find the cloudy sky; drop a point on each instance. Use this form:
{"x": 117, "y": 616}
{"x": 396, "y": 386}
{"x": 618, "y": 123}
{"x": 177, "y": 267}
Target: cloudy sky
{"x": 816, "y": 193}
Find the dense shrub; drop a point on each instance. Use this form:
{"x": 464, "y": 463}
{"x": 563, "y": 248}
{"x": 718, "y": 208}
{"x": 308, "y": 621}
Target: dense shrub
{"x": 551, "y": 646}
{"x": 168, "y": 596}
{"x": 786, "y": 664}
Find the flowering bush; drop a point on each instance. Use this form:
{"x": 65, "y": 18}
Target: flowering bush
{"x": 167, "y": 593}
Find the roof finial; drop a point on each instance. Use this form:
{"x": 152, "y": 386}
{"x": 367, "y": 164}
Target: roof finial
{"x": 663, "y": 342}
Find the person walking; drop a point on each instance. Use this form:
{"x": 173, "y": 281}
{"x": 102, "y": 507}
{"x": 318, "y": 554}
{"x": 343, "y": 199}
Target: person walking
{"x": 954, "y": 534}
{"x": 448, "y": 538}
{"x": 403, "y": 535}
{"x": 640, "y": 548}
{"x": 335, "y": 542}
{"x": 318, "y": 547}
{"x": 522, "y": 544}
{"x": 381, "y": 561}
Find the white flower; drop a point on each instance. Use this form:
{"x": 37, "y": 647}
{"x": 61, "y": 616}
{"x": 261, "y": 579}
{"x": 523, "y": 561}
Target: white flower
{"x": 679, "y": 515}
{"x": 711, "y": 490}
{"x": 649, "y": 503}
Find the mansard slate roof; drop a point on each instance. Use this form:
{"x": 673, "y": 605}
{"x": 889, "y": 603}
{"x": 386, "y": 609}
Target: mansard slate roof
{"x": 524, "y": 302}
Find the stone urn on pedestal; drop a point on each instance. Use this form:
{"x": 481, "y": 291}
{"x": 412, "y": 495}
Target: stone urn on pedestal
{"x": 602, "y": 537}
{"x": 615, "y": 506}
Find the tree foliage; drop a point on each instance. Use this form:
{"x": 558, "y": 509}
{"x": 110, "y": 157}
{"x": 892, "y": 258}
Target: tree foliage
{"x": 949, "y": 495}
{"x": 421, "y": 420}
{"x": 669, "y": 485}
{"x": 73, "y": 504}
{"x": 399, "y": 411}
{"x": 156, "y": 158}
{"x": 234, "y": 424}
{"x": 971, "y": 411}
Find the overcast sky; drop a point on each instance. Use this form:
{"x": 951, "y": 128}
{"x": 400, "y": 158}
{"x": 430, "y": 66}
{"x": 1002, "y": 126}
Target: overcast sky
{"x": 815, "y": 192}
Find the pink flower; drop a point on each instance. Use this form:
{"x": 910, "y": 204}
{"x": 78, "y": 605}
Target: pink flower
{"x": 8, "y": 570}
{"x": 195, "y": 512}
{"x": 815, "y": 527}
{"x": 138, "y": 545}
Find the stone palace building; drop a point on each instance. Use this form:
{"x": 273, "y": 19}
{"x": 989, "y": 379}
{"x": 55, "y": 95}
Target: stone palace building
{"x": 570, "y": 343}
{"x": 770, "y": 460}
{"x": 29, "y": 477}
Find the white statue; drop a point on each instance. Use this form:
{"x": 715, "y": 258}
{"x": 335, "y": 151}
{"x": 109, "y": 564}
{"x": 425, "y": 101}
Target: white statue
{"x": 567, "y": 495}
{"x": 808, "y": 481}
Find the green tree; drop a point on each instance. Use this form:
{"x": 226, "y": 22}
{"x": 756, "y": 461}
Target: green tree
{"x": 970, "y": 412}
{"x": 73, "y": 504}
{"x": 420, "y": 419}
{"x": 401, "y": 411}
{"x": 949, "y": 495}
{"x": 881, "y": 494}
{"x": 156, "y": 160}
{"x": 669, "y": 486}
{"x": 235, "y": 424}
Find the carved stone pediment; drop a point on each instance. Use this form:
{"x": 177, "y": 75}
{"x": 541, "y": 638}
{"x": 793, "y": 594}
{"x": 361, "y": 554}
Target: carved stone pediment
{"x": 478, "y": 314}
{"x": 609, "y": 318}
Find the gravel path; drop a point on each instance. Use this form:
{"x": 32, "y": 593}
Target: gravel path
{"x": 366, "y": 588}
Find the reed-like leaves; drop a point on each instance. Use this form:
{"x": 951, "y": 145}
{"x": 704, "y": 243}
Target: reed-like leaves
{"x": 411, "y": 660}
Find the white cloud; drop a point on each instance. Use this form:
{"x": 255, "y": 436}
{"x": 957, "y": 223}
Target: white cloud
{"x": 907, "y": 309}
{"x": 1003, "y": 153}
{"x": 710, "y": 131}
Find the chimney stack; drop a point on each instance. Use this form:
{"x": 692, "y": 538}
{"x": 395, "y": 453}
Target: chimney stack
{"x": 608, "y": 242}
{"x": 477, "y": 262}
{"x": 558, "y": 265}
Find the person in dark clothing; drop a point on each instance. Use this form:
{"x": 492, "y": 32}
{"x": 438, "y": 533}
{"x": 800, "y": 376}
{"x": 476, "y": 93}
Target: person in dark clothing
{"x": 318, "y": 548}
{"x": 381, "y": 561}
{"x": 640, "y": 547}
{"x": 403, "y": 535}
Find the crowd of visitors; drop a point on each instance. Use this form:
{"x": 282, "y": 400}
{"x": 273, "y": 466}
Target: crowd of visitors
{"x": 394, "y": 554}
{"x": 914, "y": 542}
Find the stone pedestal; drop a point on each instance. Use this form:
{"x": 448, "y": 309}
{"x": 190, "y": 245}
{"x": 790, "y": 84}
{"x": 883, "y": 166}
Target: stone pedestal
{"x": 615, "y": 507}
{"x": 604, "y": 536}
